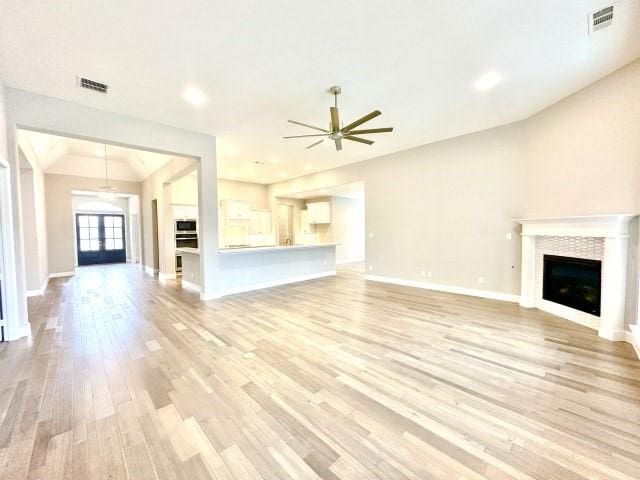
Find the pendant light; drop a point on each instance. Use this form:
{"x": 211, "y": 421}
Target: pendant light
{"x": 106, "y": 193}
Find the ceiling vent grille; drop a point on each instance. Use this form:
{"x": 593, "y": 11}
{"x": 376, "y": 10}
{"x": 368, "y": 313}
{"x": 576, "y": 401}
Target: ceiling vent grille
{"x": 93, "y": 85}
{"x": 601, "y": 19}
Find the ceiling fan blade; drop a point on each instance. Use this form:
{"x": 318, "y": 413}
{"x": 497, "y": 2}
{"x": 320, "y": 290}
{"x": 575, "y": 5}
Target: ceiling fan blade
{"x": 357, "y": 139}
{"x": 314, "y": 144}
{"x": 338, "y": 143}
{"x": 308, "y": 126}
{"x": 303, "y": 136}
{"x": 371, "y": 130}
{"x": 362, "y": 120}
{"x": 335, "y": 120}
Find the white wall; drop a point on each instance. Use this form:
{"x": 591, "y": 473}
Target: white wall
{"x": 159, "y": 186}
{"x": 584, "y": 151}
{"x": 33, "y": 206}
{"x": 184, "y": 191}
{"x": 254, "y": 193}
{"x": 443, "y": 208}
{"x": 347, "y": 228}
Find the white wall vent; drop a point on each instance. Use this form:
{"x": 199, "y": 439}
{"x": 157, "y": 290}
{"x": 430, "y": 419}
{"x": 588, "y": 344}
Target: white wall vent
{"x": 93, "y": 85}
{"x": 600, "y": 19}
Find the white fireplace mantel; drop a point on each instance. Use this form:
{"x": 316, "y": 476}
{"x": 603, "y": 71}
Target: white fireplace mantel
{"x": 614, "y": 229}
{"x": 587, "y": 226}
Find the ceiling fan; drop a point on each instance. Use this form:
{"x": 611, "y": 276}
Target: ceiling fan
{"x": 337, "y": 133}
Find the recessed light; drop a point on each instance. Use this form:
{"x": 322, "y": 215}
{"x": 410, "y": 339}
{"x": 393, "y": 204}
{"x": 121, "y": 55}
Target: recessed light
{"x": 100, "y": 151}
{"x": 283, "y": 175}
{"x": 308, "y": 167}
{"x": 487, "y": 81}
{"x": 231, "y": 151}
{"x": 194, "y": 96}
{"x": 274, "y": 160}
{"x": 324, "y": 191}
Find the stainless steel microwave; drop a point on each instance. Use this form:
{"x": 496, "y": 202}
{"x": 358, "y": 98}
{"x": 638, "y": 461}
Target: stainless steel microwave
{"x": 187, "y": 225}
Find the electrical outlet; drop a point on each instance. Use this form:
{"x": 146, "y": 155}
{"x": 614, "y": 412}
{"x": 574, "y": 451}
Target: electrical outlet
{"x": 429, "y": 274}
{"x": 370, "y": 268}
{"x": 324, "y": 262}
{"x": 480, "y": 279}
{"x": 509, "y": 236}
{"x": 370, "y": 234}
{"x": 423, "y": 273}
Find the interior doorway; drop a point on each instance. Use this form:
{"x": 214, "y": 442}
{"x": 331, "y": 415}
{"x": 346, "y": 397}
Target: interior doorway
{"x": 100, "y": 239}
{"x": 285, "y": 224}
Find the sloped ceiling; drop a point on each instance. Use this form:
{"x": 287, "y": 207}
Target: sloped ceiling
{"x": 69, "y": 156}
{"x": 259, "y": 63}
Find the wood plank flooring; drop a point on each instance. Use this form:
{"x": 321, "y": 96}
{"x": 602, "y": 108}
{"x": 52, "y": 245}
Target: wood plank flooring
{"x": 336, "y": 378}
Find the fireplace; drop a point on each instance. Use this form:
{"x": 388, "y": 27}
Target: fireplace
{"x": 573, "y": 282}
{"x": 592, "y": 288}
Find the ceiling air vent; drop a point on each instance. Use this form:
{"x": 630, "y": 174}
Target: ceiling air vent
{"x": 600, "y": 19}
{"x": 93, "y": 85}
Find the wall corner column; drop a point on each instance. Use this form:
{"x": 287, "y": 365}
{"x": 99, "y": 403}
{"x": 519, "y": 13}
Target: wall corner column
{"x": 614, "y": 275}
{"x": 527, "y": 279}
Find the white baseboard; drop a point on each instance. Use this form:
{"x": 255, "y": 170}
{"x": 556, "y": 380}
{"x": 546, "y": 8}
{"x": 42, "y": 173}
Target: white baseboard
{"x": 275, "y": 283}
{"x": 208, "y": 296}
{"x": 163, "y": 277}
{"x": 149, "y": 270}
{"x": 633, "y": 337}
{"x": 17, "y": 333}
{"x": 187, "y": 285}
{"x": 350, "y": 260}
{"x": 40, "y": 291}
{"x": 613, "y": 335}
{"x": 62, "y": 274}
{"x": 505, "y": 297}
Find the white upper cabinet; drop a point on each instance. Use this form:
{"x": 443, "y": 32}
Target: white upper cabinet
{"x": 305, "y": 226}
{"x": 185, "y": 211}
{"x": 237, "y": 210}
{"x": 319, "y": 212}
{"x": 260, "y": 222}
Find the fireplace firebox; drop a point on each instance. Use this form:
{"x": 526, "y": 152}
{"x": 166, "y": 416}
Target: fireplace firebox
{"x": 573, "y": 282}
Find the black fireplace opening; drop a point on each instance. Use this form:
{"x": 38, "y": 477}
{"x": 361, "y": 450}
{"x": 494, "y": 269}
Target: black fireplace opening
{"x": 573, "y": 282}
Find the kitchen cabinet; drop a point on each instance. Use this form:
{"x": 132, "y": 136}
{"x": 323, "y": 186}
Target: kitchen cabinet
{"x": 185, "y": 211}
{"x": 260, "y": 222}
{"x": 319, "y": 212}
{"x": 305, "y": 226}
{"x": 237, "y": 210}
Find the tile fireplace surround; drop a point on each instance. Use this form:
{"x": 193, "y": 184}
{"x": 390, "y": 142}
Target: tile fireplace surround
{"x": 603, "y": 237}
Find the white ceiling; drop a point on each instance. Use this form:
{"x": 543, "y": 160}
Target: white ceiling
{"x": 70, "y": 156}
{"x": 260, "y": 63}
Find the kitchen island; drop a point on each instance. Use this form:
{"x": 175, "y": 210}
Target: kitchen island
{"x": 252, "y": 268}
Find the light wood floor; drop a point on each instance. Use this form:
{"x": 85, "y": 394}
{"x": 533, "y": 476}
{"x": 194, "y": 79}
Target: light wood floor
{"x": 335, "y": 379}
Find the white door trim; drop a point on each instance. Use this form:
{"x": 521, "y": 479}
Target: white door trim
{"x": 11, "y": 316}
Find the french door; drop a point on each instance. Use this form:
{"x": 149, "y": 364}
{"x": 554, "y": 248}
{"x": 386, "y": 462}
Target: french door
{"x": 100, "y": 239}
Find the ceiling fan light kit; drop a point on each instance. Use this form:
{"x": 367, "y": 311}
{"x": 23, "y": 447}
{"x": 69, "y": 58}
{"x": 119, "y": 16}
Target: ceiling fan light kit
{"x": 336, "y": 133}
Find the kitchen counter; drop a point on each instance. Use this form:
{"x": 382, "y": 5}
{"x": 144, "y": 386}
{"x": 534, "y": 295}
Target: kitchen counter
{"x": 194, "y": 251}
{"x": 271, "y": 248}
{"x": 242, "y": 269}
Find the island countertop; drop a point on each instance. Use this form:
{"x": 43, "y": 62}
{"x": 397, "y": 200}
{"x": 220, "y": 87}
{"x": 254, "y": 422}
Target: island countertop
{"x": 273, "y": 248}
{"x": 194, "y": 251}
